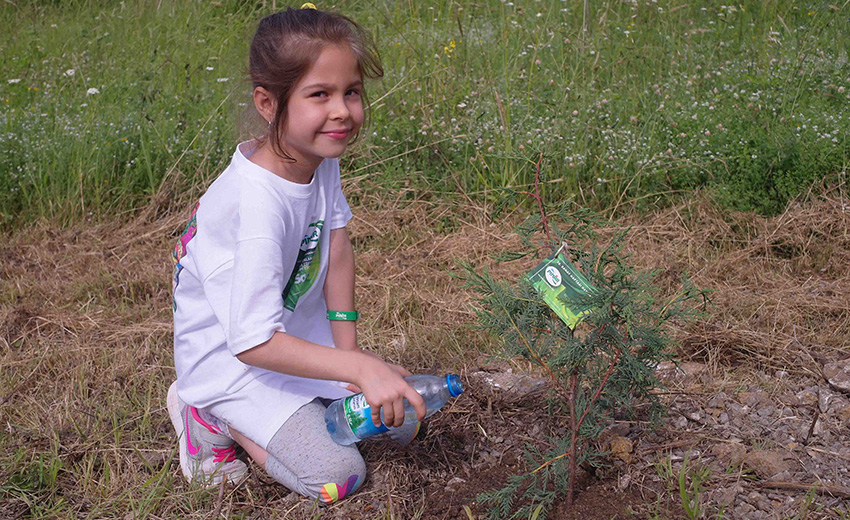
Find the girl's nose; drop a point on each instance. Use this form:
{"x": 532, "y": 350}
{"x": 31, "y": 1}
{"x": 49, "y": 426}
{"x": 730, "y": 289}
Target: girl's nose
{"x": 340, "y": 110}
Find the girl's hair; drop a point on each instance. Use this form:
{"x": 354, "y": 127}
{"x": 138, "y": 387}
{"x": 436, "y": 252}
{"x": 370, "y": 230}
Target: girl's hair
{"x": 287, "y": 43}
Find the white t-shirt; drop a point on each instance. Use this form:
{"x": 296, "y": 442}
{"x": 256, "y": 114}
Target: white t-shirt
{"x": 252, "y": 261}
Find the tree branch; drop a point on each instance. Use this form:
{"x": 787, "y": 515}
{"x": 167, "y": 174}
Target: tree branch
{"x": 536, "y": 195}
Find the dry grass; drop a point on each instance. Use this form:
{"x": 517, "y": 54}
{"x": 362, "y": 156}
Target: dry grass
{"x": 85, "y": 337}
{"x": 779, "y": 285}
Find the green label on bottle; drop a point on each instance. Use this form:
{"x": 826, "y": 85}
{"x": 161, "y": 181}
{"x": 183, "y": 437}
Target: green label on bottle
{"x": 358, "y": 414}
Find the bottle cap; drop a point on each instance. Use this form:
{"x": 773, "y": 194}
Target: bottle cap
{"x": 454, "y": 384}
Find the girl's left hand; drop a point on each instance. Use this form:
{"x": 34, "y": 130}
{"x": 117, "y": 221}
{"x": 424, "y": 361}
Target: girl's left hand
{"x": 403, "y": 372}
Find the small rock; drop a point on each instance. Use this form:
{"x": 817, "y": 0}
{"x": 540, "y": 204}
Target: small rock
{"x": 730, "y": 452}
{"x": 841, "y": 410}
{"x": 745, "y": 509}
{"x": 516, "y": 385}
{"x": 837, "y": 375}
{"x": 724, "y": 418}
{"x": 765, "y": 411}
{"x": 718, "y": 401}
{"x": 735, "y": 409}
{"x": 808, "y": 396}
{"x": 752, "y": 399}
{"x": 767, "y": 463}
{"x": 726, "y": 497}
{"x": 623, "y": 481}
{"x": 668, "y": 371}
{"x": 621, "y": 448}
{"x": 825, "y": 397}
{"x": 454, "y": 483}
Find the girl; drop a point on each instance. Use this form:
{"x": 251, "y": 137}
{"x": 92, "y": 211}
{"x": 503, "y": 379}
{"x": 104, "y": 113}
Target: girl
{"x": 264, "y": 317}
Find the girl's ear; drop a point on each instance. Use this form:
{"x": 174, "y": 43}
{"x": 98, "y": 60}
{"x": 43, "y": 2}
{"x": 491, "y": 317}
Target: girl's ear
{"x": 265, "y": 103}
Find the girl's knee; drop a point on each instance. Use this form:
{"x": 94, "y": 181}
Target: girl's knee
{"x": 341, "y": 481}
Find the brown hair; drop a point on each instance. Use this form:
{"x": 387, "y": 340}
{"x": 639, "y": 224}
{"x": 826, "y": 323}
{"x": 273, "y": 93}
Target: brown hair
{"x": 287, "y": 43}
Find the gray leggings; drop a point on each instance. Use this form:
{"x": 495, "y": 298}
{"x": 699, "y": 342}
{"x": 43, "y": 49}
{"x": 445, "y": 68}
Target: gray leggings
{"x": 303, "y": 457}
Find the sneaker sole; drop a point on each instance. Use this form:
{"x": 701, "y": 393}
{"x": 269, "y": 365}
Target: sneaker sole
{"x": 173, "y": 404}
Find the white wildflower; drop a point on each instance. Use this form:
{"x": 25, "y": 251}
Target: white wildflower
{"x": 70, "y": 72}
{"x": 16, "y": 80}
{"x": 222, "y": 80}
{"x": 92, "y": 91}
{"x": 210, "y": 68}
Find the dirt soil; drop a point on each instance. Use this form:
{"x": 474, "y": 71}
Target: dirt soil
{"x": 85, "y": 339}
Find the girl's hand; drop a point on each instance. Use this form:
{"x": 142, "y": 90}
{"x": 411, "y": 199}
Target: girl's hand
{"x": 384, "y": 389}
{"x": 403, "y": 372}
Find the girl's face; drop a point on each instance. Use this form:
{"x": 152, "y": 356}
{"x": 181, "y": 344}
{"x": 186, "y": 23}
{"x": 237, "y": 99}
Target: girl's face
{"x": 325, "y": 110}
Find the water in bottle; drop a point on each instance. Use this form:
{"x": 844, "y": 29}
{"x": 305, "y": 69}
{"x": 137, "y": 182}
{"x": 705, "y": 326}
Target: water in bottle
{"x": 350, "y": 419}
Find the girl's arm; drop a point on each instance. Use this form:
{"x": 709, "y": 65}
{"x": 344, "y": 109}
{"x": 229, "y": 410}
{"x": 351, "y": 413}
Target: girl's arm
{"x": 339, "y": 295}
{"x": 382, "y": 385}
{"x": 381, "y": 382}
{"x": 339, "y": 288}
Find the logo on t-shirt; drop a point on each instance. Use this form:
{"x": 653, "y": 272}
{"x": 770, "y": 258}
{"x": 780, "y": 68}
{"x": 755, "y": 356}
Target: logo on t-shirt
{"x": 180, "y": 251}
{"x": 306, "y": 268}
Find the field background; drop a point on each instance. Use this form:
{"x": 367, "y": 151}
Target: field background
{"x": 718, "y": 132}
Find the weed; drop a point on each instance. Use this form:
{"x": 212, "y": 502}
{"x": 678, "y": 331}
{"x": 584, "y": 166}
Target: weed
{"x": 691, "y": 482}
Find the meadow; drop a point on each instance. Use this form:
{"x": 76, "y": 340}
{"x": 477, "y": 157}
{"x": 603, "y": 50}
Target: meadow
{"x": 715, "y": 133}
{"x": 106, "y": 103}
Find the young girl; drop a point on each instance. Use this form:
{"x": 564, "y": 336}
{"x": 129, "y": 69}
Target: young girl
{"x": 264, "y": 316}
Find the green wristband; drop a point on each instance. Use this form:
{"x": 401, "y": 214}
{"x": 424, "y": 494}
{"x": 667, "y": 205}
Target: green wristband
{"x": 343, "y": 315}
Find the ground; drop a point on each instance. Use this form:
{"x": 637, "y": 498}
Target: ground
{"x": 85, "y": 340}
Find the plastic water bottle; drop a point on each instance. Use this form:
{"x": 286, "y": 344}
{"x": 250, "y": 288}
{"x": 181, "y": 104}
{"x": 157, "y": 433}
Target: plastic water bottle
{"x": 350, "y": 419}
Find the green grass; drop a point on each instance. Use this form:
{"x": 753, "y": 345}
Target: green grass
{"x": 103, "y": 102}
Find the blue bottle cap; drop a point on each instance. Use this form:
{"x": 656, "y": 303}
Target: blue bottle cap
{"x": 454, "y": 384}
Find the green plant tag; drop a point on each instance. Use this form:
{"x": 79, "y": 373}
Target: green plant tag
{"x": 562, "y": 287}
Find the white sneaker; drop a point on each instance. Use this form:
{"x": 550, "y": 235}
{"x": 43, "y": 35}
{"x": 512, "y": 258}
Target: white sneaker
{"x": 207, "y": 455}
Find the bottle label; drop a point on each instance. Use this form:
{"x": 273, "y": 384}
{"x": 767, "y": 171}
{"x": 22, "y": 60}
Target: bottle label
{"x": 358, "y": 413}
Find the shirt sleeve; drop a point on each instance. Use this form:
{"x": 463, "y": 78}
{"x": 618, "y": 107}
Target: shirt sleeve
{"x": 340, "y": 212}
{"x": 256, "y": 305}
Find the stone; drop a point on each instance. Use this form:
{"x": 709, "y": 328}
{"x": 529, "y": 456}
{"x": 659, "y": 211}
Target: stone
{"x": 825, "y": 397}
{"x": 454, "y": 483}
{"x": 621, "y": 448}
{"x": 767, "y": 463}
{"x": 729, "y": 452}
{"x": 668, "y": 371}
{"x": 837, "y": 374}
{"x": 807, "y": 397}
{"x": 752, "y": 399}
{"x": 841, "y": 410}
{"x": 726, "y": 497}
{"x": 695, "y": 416}
{"x": 515, "y": 385}
{"x": 718, "y": 401}
{"x": 766, "y": 411}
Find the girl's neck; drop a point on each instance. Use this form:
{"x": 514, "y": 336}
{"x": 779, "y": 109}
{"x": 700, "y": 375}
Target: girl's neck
{"x": 298, "y": 172}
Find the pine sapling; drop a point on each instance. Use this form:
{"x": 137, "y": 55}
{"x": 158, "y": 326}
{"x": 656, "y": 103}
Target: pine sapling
{"x": 602, "y": 365}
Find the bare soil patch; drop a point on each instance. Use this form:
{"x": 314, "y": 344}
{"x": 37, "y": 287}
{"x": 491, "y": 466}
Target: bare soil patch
{"x": 85, "y": 349}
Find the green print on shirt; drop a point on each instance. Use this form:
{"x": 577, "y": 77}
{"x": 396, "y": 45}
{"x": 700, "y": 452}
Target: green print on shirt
{"x": 306, "y": 268}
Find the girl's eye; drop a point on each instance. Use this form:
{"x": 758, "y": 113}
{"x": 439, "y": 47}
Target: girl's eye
{"x": 352, "y": 92}
{"x": 321, "y": 93}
